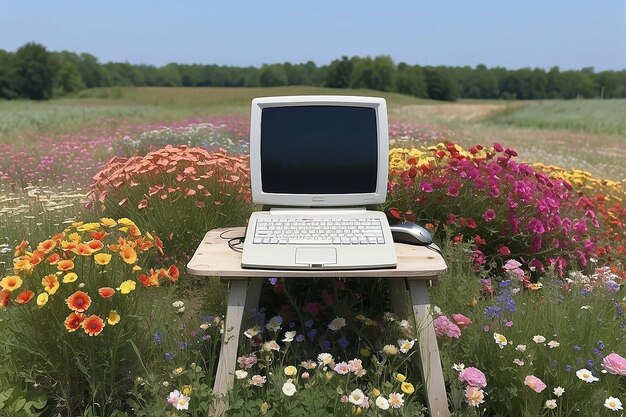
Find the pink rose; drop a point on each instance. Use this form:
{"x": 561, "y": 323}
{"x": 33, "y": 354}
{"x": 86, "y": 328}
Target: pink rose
{"x": 534, "y": 383}
{"x": 444, "y": 327}
{"x": 614, "y": 364}
{"x": 473, "y": 377}
{"x": 461, "y": 320}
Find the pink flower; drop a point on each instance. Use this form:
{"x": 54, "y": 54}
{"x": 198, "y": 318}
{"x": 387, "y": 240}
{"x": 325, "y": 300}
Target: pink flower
{"x": 444, "y": 327}
{"x": 342, "y": 368}
{"x": 614, "y": 364}
{"x": 534, "y": 383}
{"x": 473, "y": 377}
{"x": 489, "y": 215}
{"x": 461, "y": 320}
{"x": 247, "y": 362}
{"x": 474, "y": 396}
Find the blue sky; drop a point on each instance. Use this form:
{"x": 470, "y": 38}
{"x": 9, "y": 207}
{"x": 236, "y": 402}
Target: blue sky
{"x": 569, "y": 33}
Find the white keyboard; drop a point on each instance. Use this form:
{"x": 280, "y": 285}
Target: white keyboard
{"x": 303, "y": 231}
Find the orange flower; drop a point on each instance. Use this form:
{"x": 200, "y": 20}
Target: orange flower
{"x": 106, "y": 292}
{"x": 128, "y": 254}
{"x": 37, "y": 257}
{"x": 25, "y": 297}
{"x": 19, "y": 249}
{"x": 11, "y": 283}
{"x": 68, "y": 245}
{"x": 95, "y": 245}
{"x": 47, "y": 245}
{"x": 82, "y": 249}
{"x": 53, "y": 259}
{"x": 93, "y": 325}
{"x": 23, "y": 265}
{"x": 159, "y": 245}
{"x": 173, "y": 273}
{"x": 74, "y": 321}
{"x": 98, "y": 235}
{"x": 50, "y": 284}
{"x": 79, "y": 301}
{"x": 5, "y": 297}
{"x": 65, "y": 265}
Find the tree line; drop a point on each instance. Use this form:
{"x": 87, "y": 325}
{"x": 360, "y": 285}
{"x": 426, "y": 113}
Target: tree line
{"x": 33, "y": 72}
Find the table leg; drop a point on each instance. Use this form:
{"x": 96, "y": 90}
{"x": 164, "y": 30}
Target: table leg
{"x": 230, "y": 343}
{"x": 397, "y": 294}
{"x": 253, "y": 294}
{"x": 429, "y": 351}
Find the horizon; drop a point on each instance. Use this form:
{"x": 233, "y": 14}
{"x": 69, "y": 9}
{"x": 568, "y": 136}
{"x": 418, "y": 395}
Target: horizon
{"x": 570, "y": 35}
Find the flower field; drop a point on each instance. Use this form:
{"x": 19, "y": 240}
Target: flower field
{"x": 100, "y": 319}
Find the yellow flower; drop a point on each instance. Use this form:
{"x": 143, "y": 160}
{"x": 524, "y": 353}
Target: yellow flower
{"x": 127, "y": 286}
{"x": 70, "y": 277}
{"x": 407, "y": 388}
{"x": 535, "y": 286}
{"x": 50, "y": 284}
{"x": 42, "y": 299}
{"x": 106, "y": 222}
{"x": 136, "y": 268}
{"x": 126, "y": 222}
{"x": 75, "y": 237}
{"x": 113, "y": 318}
{"x": 365, "y": 352}
{"x": 187, "y": 390}
{"x": 11, "y": 282}
{"x": 177, "y": 371}
{"x": 400, "y": 378}
{"x": 102, "y": 258}
{"x": 128, "y": 254}
{"x": 375, "y": 392}
{"x": 88, "y": 227}
{"x": 290, "y": 370}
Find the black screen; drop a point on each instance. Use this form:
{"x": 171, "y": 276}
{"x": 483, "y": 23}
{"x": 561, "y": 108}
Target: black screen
{"x": 319, "y": 150}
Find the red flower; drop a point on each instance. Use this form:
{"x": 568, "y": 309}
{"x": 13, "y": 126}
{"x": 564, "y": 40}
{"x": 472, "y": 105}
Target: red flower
{"x": 25, "y": 297}
{"x": 5, "y": 297}
{"x": 106, "y": 292}
{"x": 93, "y": 325}
{"x": 395, "y": 213}
{"x": 74, "y": 321}
{"x": 173, "y": 273}
{"x": 79, "y": 301}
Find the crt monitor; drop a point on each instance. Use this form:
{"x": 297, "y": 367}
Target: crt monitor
{"x": 318, "y": 151}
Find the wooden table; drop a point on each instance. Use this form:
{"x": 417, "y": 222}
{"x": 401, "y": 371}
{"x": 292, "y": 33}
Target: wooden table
{"x": 417, "y": 268}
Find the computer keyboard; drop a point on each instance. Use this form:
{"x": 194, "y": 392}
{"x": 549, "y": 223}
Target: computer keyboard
{"x": 302, "y": 231}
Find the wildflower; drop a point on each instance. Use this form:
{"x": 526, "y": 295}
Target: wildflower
{"x": 289, "y": 336}
{"x": 375, "y": 392}
{"x": 382, "y": 403}
{"x": 539, "y": 339}
{"x": 113, "y": 318}
{"x": 274, "y": 324}
{"x": 474, "y": 396}
{"x": 550, "y": 404}
{"x": 178, "y": 400}
{"x": 95, "y": 245}
{"x": 558, "y": 391}
{"x": 458, "y": 366}
{"x": 586, "y": 375}
{"x": 70, "y": 277}
{"x": 614, "y": 364}
{"x": 613, "y": 404}
{"x": 93, "y": 325}
{"x": 128, "y": 254}
{"x": 11, "y": 283}
{"x": 500, "y": 339}
{"x": 257, "y": 380}
{"x": 357, "y": 397}
{"x": 337, "y": 324}
{"x": 79, "y": 301}
{"x": 407, "y": 388}
{"x": 42, "y": 299}
{"x": 405, "y": 345}
{"x": 289, "y": 389}
{"x": 127, "y": 286}
{"x": 309, "y": 364}
{"x": 534, "y": 383}
{"x": 24, "y": 297}
{"x": 461, "y": 320}
{"x": 187, "y": 389}
{"x": 290, "y": 370}
{"x": 553, "y": 344}
{"x": 520, "y": 348}
{"x": 326, "y": 359}
{"x": 390, "y": 349}
{"x": 102, "y": 258}
{"x": 271, "y": 345}
{"x": 74, "y": 321}
{"x": 489, "y": 215}
{"x": 518, "y": 362}
{"x": 400, "y": 377}
{"x": 396, "y": 400}
{"x": 241, "y": 374}
{"x": 305, "y": 375}
{"x": 342, "y": 368}
{"x": 5, "y": 297}
{"x": 473, "y": 377}
{"x": 252, "y": 332}
{"x": 106, "y": 292}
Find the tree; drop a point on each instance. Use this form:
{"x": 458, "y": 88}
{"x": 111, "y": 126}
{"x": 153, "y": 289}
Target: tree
{"x": 91, "y": 71}
{"x": 8, "y": 78}
{"x": 339, "y": 73}
{"x": 35, "y": 70}
{"x": 272, "y": 76}
{"x": 68, "y": 79}
{"x": 440, "y": 85}
{"x": 410, "y": 80}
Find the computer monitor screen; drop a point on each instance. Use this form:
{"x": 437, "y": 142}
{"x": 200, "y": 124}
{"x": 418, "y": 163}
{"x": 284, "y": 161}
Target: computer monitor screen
{"x": 319, "y": 151}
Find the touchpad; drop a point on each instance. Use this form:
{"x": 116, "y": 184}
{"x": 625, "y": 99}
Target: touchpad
{"x": 316, "y": 257}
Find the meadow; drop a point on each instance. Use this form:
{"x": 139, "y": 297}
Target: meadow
{"x": 105, "y": 196}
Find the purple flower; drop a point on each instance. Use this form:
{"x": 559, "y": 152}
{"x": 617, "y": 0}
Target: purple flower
{"x": 300, "y": 338}
{"x": 158, "y": 338}
{"x": 312, "y": 334}
{"x": 273, "y": 281}
{"x": 493, "y": 312}
{"x": 168, "y": 356}
{"x": 308, "y": 324}
{"x": 426, "y": 187}
{"x": 183, "y": 345}
{"x": 325, "y": 344}
{"x": 535, "y": 226}
{"x": 343, "y": 342}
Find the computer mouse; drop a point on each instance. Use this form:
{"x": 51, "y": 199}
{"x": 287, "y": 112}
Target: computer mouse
{"x": 408, "y": 232}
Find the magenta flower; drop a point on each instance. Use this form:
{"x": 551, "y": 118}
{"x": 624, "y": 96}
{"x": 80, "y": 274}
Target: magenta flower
{"x": 444, "y": 327}
{"x": 489, "y": 215}
{"x": 473, "y": 377}
{"x": 453, "y": 190}
{"x": 461, "y": 320}
{"x": 426, "y": 187}
{"x": 535, "y": 226}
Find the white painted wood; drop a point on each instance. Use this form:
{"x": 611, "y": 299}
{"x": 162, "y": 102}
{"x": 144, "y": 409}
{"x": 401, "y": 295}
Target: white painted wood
{"x": 432, "y": 373}
{"x": 230, "y": 342}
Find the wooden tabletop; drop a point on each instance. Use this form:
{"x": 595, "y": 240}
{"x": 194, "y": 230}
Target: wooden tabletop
{"x": 214, "y": 258}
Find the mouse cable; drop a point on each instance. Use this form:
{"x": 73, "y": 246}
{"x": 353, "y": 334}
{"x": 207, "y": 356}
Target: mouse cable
{"x": 233, "y": 242}
{"x": 433, "y": 247}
